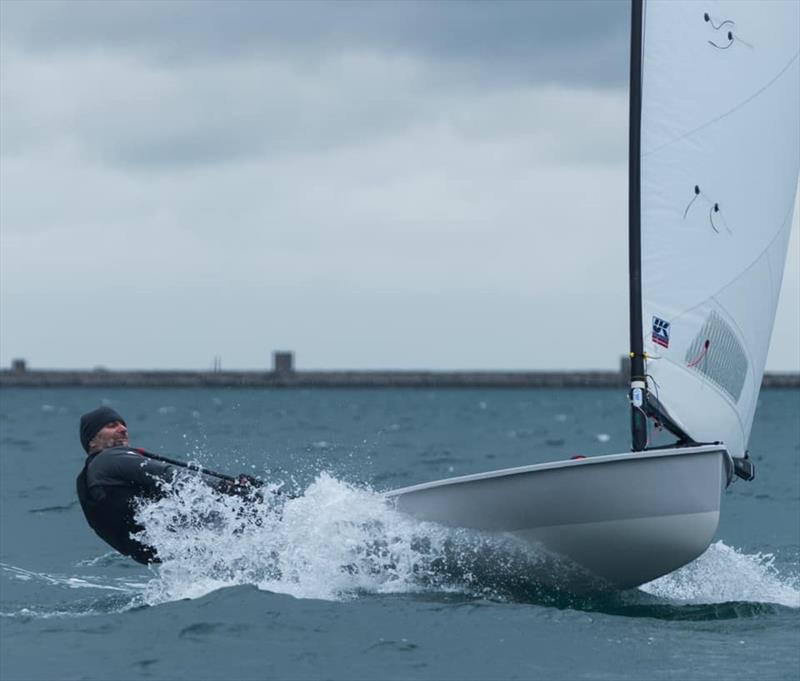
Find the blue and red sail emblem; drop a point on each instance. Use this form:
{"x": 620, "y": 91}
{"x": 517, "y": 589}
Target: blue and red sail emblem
{"x": 660, "y": 332}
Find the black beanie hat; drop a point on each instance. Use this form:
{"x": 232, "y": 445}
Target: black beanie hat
{"x": 93, "y": 422}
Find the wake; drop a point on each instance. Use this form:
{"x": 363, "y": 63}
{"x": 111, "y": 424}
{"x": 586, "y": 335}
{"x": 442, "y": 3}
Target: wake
{"x": 337, "y": 541}
{"x": 724, "y": 574}
{"x": 340, "y": 542}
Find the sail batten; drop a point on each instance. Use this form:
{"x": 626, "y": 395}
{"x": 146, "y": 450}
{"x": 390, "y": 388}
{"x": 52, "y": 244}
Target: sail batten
{"x": 720, "y": 152}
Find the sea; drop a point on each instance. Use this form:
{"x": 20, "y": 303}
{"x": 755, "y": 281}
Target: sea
{"x": 324, "y": 580}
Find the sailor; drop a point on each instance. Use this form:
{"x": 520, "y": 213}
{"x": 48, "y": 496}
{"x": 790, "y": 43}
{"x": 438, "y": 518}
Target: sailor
{"x": 116, "y": 477}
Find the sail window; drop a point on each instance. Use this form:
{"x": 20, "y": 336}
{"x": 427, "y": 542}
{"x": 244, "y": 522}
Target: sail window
{"x": 717, "y": 354}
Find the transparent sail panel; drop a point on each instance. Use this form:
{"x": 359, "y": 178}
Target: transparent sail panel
{"x": 720, "y": 159}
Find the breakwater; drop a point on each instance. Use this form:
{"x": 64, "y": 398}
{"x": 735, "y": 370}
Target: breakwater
{"x": 332, "y": 379}
{"x": 283, "y": 375}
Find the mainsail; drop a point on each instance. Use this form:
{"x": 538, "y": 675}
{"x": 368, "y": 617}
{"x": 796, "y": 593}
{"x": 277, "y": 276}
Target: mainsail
{"x": 720, "y": 153}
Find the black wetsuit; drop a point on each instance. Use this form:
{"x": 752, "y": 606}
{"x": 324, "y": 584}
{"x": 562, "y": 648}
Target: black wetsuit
{"x": 109, "y": 486}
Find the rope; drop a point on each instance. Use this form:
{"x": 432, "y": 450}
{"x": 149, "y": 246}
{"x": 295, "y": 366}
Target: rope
{"x": 708, "y": 19}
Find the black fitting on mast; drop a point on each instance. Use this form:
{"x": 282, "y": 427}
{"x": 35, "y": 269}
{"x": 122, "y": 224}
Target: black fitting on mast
{"x": 638, "y": 389}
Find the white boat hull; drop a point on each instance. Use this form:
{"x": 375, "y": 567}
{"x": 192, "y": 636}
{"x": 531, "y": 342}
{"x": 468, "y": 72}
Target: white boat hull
{"x": 619, "y": 520}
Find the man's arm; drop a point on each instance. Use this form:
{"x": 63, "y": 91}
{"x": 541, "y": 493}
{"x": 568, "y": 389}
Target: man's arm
{"x": 124, "y": 466}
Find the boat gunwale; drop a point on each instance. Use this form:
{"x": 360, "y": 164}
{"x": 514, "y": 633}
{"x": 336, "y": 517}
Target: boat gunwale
{"x": 565, "y": 463}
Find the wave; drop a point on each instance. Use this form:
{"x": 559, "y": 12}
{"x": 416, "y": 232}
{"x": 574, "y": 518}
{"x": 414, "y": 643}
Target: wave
{"x": 124, "y": 595}
{"x": 724, "y": 574}
{"x": 338, "y": 542}
{"x": 70, "y": 582}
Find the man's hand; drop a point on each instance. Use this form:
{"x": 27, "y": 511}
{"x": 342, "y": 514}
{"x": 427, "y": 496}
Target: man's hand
{"x": 245, "y": 487}
{"x": 249, "y": 480}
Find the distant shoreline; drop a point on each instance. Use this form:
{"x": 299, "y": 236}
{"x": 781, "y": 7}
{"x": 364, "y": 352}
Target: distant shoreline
{"x": 334, "y": 379}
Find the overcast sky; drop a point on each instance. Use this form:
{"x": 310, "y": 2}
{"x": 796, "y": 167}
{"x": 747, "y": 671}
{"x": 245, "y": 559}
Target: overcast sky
{"x": 372, "y": 185}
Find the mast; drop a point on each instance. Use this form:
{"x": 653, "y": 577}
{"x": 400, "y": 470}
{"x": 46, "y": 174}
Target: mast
{"x": 638, "y": 384}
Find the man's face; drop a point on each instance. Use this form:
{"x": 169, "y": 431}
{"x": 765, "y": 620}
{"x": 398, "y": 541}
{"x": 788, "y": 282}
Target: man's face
{"x": 114, "y": 434}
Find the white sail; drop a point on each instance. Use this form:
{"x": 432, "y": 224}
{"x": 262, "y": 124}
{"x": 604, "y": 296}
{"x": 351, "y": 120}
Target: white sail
{"x": 720, "y": 152}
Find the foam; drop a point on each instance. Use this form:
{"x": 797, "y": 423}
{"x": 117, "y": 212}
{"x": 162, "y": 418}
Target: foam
{"x": 67, "y": 581}
{"x": 334, "y": 541}
{"x": 338, "y": 541}
{"x": 725, "y": 574}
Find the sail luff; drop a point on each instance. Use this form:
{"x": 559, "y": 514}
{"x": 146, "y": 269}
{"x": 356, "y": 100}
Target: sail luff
{"x": 637, "y": 377}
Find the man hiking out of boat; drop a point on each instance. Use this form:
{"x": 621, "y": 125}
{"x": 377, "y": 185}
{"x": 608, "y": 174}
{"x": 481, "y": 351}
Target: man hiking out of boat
{"x": 116, "y": 477}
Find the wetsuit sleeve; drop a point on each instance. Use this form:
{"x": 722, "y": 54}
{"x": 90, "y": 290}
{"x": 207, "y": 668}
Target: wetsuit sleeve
{"x": 159, "y": 470}
{"x": 125, "y": 467}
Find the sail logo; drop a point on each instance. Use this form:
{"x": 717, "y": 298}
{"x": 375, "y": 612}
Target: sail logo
{"x": 660, "y": 332}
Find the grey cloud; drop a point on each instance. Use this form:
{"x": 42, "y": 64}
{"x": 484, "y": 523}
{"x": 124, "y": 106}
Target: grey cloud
{"x": 583, "y": 41}
{"x": 136, "y": 117}
{"x": 131, "y": 115}
{"x": 170, "y": 85}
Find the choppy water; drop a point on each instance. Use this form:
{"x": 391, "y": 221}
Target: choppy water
{"x": 334, "y": 584}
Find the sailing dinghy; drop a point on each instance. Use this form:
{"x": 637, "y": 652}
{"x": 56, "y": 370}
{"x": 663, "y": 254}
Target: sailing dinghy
{"x": 713, "y": 169}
